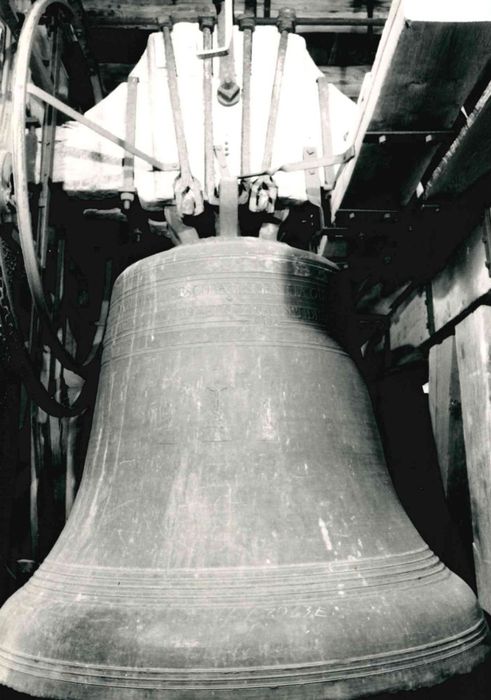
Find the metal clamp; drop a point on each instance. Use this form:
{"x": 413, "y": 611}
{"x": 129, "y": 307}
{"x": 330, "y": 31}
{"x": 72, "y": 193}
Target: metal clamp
{"x": 264, "y": 192}
{"x": 179, "y": 233}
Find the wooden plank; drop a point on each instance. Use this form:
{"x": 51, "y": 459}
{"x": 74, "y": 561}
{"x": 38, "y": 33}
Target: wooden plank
{"x": 333, "y": 8}
{"x": 144, "y": 14}
{"x": 445, "y": 404}
{"x": 141, "y": 14}
{"x": 426, "y": 66}
{"x": 473, "y": 338}
{"x": 469, "y": 157}
{"x": 408, "y": 322}
{"x": 463, "y": 281}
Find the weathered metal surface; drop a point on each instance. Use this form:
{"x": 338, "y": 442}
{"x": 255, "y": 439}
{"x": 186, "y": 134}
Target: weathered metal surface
{"x": 236, "y": 534}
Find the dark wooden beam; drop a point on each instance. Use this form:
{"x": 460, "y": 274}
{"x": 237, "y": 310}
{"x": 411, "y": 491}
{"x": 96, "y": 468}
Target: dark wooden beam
{"x": 469, "y": 157}
{"x": 425, "y": 68}
{"x": 144, "y": 14}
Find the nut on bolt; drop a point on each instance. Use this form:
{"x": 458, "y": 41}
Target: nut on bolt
{"x": 207, "y": 22}
{"x": 228, "y": 93}
{"x": 127, "y": 199}
{"x": 165, "y": 21}
{"x": 247, "y": 22}
{"x": 286, "y": 20}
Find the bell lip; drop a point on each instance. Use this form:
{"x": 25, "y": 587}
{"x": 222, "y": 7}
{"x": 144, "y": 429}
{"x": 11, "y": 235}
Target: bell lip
{"x": 255, "y": 244}
{"x": 412, "y": 678}
{"x": 428, "y": 662}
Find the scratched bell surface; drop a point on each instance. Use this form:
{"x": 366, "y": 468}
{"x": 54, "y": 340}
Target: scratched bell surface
{"x": 236, "y": 533}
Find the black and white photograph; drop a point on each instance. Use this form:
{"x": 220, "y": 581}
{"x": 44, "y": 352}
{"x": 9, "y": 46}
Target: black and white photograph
{"x": 245, "y": 350}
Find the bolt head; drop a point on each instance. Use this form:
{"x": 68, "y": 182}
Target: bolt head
{"x": 228, "y": 93}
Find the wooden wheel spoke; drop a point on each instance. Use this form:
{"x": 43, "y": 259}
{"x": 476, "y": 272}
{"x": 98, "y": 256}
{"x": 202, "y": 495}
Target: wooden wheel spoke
{"x": 39, "y": 58}
{"x": 34, "y": 247}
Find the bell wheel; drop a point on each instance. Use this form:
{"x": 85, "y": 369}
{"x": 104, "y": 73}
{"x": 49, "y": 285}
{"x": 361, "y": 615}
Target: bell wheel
{"x": 41, "y": 342}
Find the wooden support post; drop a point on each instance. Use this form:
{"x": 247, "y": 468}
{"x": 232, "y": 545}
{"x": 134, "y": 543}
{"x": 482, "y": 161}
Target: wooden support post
{"x": 445, "y": 405}
{"x": 446, "y": 415}
{"x": 473, "y": 339}
{"x": 404, "y": 419}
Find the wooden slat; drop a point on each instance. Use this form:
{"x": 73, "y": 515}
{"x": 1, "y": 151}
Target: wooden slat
{"x": 333, "y": 8}
{"x": 143, "y": 14}
{"x": 469, "y": 157}
{"x": 463, "y": 281}
{"x": 473, "y": 338}
{"x": 423, "y": 72}
{"x": 408, "y": 322}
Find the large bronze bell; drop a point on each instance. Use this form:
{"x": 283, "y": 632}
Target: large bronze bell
{"x": 236, "y": 534}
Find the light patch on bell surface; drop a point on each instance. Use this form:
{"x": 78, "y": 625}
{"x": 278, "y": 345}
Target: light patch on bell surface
{"x": 325, "y": 535}
{"x": 268, "y": 431}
